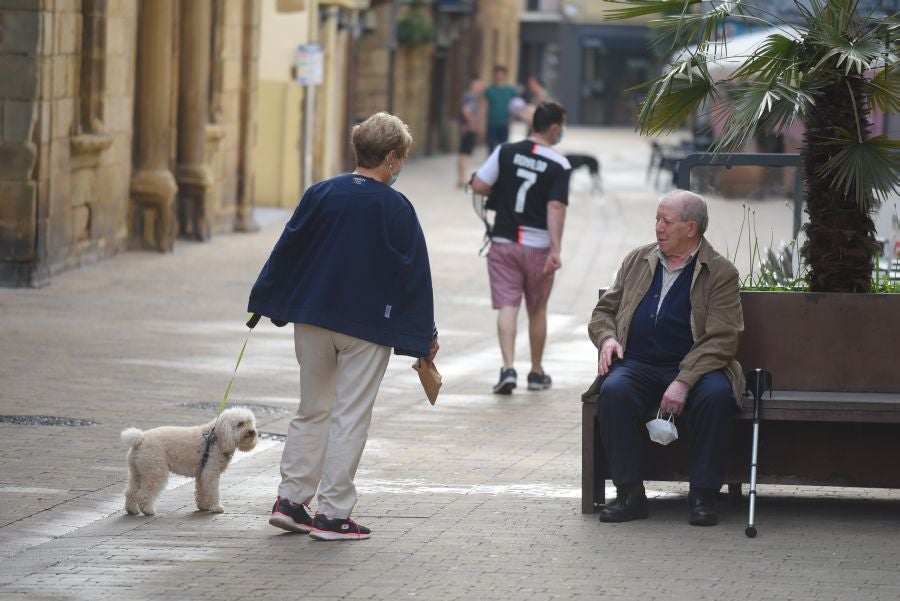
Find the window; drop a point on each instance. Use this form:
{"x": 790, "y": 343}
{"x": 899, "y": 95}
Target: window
{"x": 93, "y": 58}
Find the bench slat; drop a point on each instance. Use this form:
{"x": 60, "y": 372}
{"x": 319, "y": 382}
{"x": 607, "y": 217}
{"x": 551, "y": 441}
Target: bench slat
{"x": 800, "y": 405}
{"x": 827, "y": 398}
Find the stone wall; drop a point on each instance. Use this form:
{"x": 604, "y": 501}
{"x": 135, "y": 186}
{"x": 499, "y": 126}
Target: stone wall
{"x": 412, "y": 75}
{"x": 89, "y": 222}
{"x": 465, "y": 45}
{"x": 70, "y": 105}
{"x": 498, "y": 22}
{"x": 412, "y": 91}
{"x": 226, "y": 115}
{"x": 19, "y": 45}
{"x": 90, "y": 144}
{"x": 372, "y": 56}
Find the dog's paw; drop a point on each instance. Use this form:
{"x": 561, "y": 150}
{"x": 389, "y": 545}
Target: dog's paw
{"x": 132, "y": 510}
{"x": 217, "y": 509}
{"x": 149, "y": 511}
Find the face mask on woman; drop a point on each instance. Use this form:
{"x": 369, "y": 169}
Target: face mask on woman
{"x": 394, "y": 176}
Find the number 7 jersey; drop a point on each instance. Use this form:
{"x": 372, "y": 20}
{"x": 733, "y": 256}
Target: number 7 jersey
{"x": 524, "y": 176}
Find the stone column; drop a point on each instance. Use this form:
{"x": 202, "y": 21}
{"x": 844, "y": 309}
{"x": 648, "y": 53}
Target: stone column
{"x": 195, "y": 207}
{"x": 244, "y": 221}
{"x": 153, "y": 186}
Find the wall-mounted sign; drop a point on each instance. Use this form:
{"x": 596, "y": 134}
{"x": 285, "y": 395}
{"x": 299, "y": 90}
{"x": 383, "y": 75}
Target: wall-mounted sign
{"x": 308, "y": 64}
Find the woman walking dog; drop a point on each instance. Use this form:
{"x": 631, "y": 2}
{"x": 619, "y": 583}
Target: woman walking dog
{"x": 351, "y": 272}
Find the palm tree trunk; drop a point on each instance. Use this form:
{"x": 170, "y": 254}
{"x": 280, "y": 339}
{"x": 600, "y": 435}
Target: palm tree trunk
{"x": 840, "y": 245}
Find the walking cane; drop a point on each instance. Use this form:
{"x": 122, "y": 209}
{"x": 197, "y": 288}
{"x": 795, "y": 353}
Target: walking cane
{"x": 758, "y": 382}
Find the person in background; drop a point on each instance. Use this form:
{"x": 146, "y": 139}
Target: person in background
{"x": 351, "y": 272}
{"x": 534, "y": 95}
{"x": 497, "y": 98}
{"x": 470, "y": 127}
{"x": 535, "y": 92}
{"x": 527, "y": 184}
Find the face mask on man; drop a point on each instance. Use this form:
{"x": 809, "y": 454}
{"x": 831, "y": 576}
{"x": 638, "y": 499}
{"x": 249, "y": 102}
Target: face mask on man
{"x": 661, "y": 430}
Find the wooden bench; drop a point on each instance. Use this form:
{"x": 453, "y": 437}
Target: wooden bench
{"x": 834, "y": 416}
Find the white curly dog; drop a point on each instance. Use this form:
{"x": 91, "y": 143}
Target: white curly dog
{"x": 180, "y": 450}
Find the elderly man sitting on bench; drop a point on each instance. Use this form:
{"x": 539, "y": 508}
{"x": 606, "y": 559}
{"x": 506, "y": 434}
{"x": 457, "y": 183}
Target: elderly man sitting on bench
{"x": 668, "y": 332}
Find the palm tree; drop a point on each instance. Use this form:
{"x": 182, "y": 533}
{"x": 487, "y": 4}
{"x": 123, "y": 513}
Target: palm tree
{"x": 829, "y": 69}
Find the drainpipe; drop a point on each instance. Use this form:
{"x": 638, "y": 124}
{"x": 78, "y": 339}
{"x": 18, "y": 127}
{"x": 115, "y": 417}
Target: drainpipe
{"x": 309, "y": 101}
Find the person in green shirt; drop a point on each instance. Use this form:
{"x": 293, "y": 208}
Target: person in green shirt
{"x": 497, "y": 97}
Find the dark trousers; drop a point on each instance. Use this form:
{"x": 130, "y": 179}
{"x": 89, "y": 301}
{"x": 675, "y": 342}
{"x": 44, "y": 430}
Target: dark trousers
{"x": 496, "y": 135}
{"x": 630, "y": 397}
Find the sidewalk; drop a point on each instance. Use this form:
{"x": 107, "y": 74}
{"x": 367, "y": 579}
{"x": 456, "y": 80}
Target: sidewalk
{"x": 477, "y": 498}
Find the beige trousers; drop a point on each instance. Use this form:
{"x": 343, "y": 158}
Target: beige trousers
{"x": 339, "y": 378}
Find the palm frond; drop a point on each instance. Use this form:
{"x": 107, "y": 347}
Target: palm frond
{"x": 690, "y": 28}
{"x": 679, "y": 26}
{"x": 857, "y": 54}
{"x": 866, "y": 168}
{"x": 836, "y": 14}
{"x": 885, "y": 90}
{"x": 674, "y": 96}
{"x": 643, "y": 8}
{"x": 776, "y": 56}
{"x": 760, "y": 106}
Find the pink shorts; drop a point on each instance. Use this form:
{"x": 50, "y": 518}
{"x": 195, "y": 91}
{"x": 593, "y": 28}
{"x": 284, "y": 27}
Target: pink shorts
{"x": 514, "y": 270}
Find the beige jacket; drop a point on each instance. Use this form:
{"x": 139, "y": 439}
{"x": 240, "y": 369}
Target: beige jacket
{"x": 716, "y": 316}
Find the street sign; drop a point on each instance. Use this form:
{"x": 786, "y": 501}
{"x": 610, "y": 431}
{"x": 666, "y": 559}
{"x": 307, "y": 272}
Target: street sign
{"x": 308, "y": 64}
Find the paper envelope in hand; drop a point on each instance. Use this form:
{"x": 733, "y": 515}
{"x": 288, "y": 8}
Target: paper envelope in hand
{"x": 430, "y": 378}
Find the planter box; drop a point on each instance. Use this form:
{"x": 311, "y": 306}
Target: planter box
{"x": 823, "y": 341}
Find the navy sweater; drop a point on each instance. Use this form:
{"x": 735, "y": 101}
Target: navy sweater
{"x": 352, "y": 259}
{"x": 663, "y": 338}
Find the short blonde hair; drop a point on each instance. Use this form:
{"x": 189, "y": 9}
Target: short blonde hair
{"x": 375, "y": 137}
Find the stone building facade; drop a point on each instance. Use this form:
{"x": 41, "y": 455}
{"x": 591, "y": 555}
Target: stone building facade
{"x": 124, "y": 124}
{"x": 410, "y": 57}
{"x": 428, "y": 79}
{"x": 592, "y": 64}
{"x": 406, "y": 93}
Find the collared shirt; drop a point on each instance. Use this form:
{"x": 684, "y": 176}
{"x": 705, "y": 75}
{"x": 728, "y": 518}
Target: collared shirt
{"x": 669, "y": 276}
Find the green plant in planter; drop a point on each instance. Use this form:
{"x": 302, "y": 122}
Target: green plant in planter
{"x": 777, "y": 271}
{"x": 776, "y": 267}
{"x": 827, "y": 70}
{"x": 770, "y": 269}
{"x": 414, "y": 30}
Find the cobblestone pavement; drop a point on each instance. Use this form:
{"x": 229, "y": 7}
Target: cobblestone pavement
{"x": 476, "y": 498}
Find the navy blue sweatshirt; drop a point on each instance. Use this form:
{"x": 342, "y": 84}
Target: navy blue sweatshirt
{"x": 663, "y": 337}
{"x": 352, "y": 259}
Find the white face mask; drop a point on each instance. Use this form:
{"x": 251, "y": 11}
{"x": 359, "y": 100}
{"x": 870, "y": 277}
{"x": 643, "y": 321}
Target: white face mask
{"x": 661, "y": 430}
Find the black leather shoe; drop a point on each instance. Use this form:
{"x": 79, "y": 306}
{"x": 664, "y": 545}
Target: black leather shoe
{"x": 703, "y": 507}
{"x": 629, "y": 505}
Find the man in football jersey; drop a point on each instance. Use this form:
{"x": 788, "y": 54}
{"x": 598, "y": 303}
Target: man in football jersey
{"x": 527, "y": 184}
